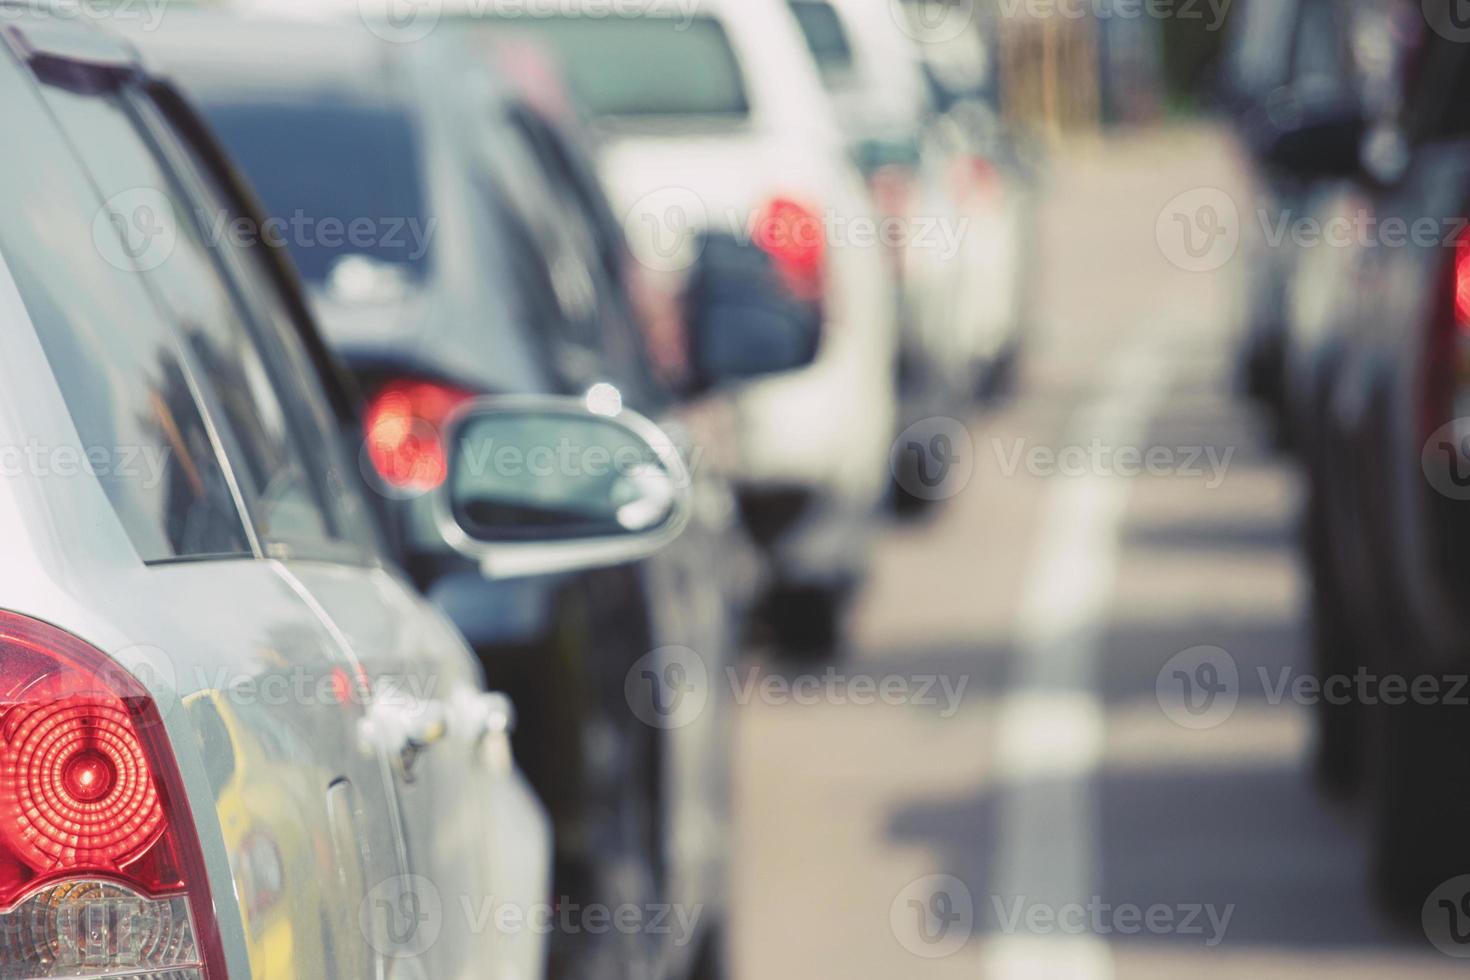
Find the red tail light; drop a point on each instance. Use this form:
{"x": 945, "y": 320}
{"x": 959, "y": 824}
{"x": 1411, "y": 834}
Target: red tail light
{"x": 101, "y": 873}
{"x": 892, "y": 188}
{"x": 975, "y": 176}
{"x": 792, "y": 234}
{"x": 403, "y": 426}
{"x": 1462, "y": 283}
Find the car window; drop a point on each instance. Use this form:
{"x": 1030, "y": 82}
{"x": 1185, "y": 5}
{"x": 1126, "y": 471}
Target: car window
{"x": 646, "y": 66}
{"x": 616, "y": 344}
{"x": 343, "y": 179}
{"x": 287, "y": 499}
{"x": 825, "y": 36}
{"x": 1437, "y": 102}
{"x": 558, "y": 278}
{"x": 1321, "y": 50}
{"x": 125, "y": 378}
{"x": 294, "y": 377}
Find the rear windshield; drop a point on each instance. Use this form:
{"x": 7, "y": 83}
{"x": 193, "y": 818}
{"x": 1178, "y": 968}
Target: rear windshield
{"x": 646, "y": 66}
{"x": 825, "y": 36}
{"x": 341, "y": 179}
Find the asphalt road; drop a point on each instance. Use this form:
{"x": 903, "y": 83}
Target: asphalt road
{"x": 1035, "y": 793}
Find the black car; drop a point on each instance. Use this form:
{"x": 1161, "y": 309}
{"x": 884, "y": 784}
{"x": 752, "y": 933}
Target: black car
{"x": 1390, "y": 507}
{"x": 1288, "y": 61}
{"x": 488, "y": 265}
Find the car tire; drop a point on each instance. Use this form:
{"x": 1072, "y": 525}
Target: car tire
{"x": 907, "y": 506}
{"x": 1421, "y": 802}
{"x": 806, "y": 621}
{"x": 711, "y": 964}
{"x": 1338, "y": 762}
{"x": 997, "y": 383}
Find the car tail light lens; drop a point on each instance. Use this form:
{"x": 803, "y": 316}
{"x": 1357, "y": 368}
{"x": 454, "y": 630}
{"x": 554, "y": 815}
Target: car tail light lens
{"x": 975, "y": 176}
{"x": 403, "y": 429}
{"x": 792, "y": 234}
{"x": 1462, "y": 283}
{"x": 892, "y": 188}
{"x": 101, "y": 874}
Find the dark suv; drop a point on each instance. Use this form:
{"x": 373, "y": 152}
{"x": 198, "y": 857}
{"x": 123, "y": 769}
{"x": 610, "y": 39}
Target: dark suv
{"x": 508, "y": 276}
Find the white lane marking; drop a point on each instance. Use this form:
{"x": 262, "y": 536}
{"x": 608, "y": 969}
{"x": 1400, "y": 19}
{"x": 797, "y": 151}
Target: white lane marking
{"x": 1050, "y": 737}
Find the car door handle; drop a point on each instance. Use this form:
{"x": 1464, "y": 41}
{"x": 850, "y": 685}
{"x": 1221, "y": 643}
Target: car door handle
{"x": 495, "y": 724}
{"x": 407, "y": 732}
{"x": 497, "y": 716}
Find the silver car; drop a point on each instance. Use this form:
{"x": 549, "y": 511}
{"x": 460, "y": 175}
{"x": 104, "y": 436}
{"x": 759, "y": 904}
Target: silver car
{"x": 233, "y": 743}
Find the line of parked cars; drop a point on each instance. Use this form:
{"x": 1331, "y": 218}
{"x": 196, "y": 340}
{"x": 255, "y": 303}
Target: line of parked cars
{"x": 382, "y": 451}
{"x": 1357, "y": 116}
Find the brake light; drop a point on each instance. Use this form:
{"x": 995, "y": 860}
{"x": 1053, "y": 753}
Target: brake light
{"x": 792, "y": 234}
{"x": 1462, "y": 283}
{"x": 892, "y": 189}
{"x": 101, "y": 873}
{"x": 402, "y": 427}
{"x": 975, "y": 176}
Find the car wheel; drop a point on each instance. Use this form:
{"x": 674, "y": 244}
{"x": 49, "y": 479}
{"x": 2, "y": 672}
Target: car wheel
{"x": 711, "y": 963}
{"x": 1338, "y": 761}
{"x": 1337, "y": 756}
{"x": 1421, "y": 802}
{"x": 998, "y": 381}
{"x": 621, "y": 867}
{"x": 905, "y": 505}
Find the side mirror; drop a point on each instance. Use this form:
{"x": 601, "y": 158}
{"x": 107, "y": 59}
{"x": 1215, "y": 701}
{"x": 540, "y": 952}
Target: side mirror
{"x": 744, "y": 322}
{"x": 1310, "y": 138}
{"x": 539, "y": 485}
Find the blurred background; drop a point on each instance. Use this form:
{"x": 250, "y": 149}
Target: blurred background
{"x": 1094, "y": 601}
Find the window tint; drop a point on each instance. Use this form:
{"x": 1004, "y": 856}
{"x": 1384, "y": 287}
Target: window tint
{"x": 1437, "y": 104}
{"x": 287, "y": 500}
{"x": 340, "y": 179}
{"x": 115, "y": 359}
{"x": 1321, "y": 51}
{"x": 287, "y": 386}
{"x": 646, "y": 66}
{"x": 825, "y": 36}
{"x": 580, "y": 211}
